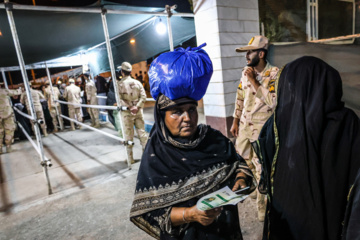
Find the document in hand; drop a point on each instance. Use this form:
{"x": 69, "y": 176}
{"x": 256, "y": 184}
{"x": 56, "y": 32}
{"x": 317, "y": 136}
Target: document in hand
{"x": 220, "y": 198}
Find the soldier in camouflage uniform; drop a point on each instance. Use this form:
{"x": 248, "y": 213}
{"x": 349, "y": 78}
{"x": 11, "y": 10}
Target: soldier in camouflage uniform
{"x": 255, "y": 103}
{"x": 132, "y": 95}
{"x": 54, "y": 105}
{"x": 72, "y": 95}
{"x": 7, "y": 124}
{"x": 92, "y": 100}
{"x": 36, "y": 97}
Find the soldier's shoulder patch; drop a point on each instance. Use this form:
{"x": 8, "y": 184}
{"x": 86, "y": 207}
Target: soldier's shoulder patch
{"x": 272, "y": 85}
{"x": 267, "y": 73}
{"x": 240, "y": 86}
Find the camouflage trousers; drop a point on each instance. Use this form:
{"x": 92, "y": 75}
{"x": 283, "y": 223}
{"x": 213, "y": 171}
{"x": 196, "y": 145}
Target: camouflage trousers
{"x": 94, "y": 116}
{"x": 74, "y": 113}
{"x": 244, "y": 149}
{"x": 40, "y": 115}
{"x": 55, "y": 118}
{"x": 129, "y": 121}
{"x": 7, "y": 128}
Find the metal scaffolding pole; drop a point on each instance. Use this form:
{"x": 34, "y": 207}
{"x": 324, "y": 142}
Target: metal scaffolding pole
{"x": 10, "y": 16}
{"x": 113, "y": 75}
{"x": 169, "y": 14}
{"x": 53, "y": 98}
{"x": 4, "y": 78}
{"x": 90, "y": 10}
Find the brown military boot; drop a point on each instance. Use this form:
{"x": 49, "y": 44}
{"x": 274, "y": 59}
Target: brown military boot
{"x": 8, "y": 148}
{"x": 97, "y": 125}
{"x": 45, "y": 132}
{"x": 92, "y": 123}
{"x": 130, "y": 159}
{"x": 72, "y": 126}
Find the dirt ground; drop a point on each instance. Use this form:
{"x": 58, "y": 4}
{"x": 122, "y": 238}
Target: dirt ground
{"x": 98, "y": 211}
{"x": 251, "y": 227}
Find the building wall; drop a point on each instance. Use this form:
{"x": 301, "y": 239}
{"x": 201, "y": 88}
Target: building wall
{"x": 224, "y": 25}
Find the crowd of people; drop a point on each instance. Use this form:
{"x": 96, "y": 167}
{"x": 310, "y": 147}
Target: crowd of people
{"x": 75, "y": 91}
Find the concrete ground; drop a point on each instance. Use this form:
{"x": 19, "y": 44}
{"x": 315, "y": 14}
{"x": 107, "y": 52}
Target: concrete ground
{"x": 92, "y": 190}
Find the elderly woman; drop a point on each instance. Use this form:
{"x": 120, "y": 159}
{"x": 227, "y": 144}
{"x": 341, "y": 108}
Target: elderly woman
{"x": 310, "y": 151}
{"x": 184, "y": 161}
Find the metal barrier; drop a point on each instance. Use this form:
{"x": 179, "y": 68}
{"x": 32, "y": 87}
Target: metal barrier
{"x": 99, "y": 131}
{"x": 122, "y": 108}
{"x": 46, "y": 161}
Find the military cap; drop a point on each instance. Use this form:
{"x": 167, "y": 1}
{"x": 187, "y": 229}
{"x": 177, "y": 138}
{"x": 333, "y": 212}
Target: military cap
{"x": 256, "y": 42}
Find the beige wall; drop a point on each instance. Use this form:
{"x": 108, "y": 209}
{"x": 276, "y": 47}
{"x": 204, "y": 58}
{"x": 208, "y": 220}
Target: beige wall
{"x": 224, "y": 25}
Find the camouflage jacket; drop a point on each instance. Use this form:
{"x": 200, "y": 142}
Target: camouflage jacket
{"x": 131, "y": 92}
{"x": 254, "y": 107}
{"x": 72, "y": 95}
{"x": 50, "y": 99}
{"x": 5, "y": 106}
{"x": 36, "y": 96}
{"x": 91, "y": 92}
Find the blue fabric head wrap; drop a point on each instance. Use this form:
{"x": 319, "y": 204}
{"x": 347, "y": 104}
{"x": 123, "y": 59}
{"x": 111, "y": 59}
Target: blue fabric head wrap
{"x": 181, "y": 73}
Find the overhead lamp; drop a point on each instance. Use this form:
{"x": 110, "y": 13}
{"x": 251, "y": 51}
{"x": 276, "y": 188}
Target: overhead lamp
{"x": 132, "y": 41}
{"x": 91, "y": 57}
{"x": 160, "y": 27}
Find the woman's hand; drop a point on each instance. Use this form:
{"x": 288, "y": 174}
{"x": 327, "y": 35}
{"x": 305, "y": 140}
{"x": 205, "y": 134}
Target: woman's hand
{"x": 205, "y": 218}
{"x": 180, "y": 215}
{"x": 240, "y": 183}
{"x": 235, "y": 127}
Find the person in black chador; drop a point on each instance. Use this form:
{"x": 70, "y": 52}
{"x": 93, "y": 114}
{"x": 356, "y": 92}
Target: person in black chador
{"x": 184, "y": 161}
{"x": 310, "y": 151}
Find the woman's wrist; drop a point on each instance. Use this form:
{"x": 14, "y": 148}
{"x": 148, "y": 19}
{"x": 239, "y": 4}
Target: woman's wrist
{"x": 183, "y": 215}
{"x": 188, "y": 214}
{"x": 241, "y": 175}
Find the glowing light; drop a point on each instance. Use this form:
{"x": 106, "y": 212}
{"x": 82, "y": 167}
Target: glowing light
{"x": 0, "y": 33}
{"x": 132, "y": 41}
{"x": 160, "y": 27}
{"x": 92, "y": 57}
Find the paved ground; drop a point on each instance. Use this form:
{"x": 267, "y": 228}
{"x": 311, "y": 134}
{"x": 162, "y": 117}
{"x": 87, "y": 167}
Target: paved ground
{"x": 92, "y": 190}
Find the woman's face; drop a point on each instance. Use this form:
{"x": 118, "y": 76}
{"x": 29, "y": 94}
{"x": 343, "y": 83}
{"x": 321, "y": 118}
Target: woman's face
{"x": 182, "y": 120}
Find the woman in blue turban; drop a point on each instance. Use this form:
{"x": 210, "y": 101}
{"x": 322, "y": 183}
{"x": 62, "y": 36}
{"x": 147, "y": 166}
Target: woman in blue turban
{"x": 184, "y": 161}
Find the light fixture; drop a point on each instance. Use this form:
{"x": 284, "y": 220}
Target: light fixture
{"x": 132, "y": 41}
{"x": 0, "y": 33}
{"x": 91, "y": 57}
{"x": 160, "y": 27}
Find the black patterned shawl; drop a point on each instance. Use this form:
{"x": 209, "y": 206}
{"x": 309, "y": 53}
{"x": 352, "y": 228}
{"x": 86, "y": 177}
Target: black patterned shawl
{"x": 310, "y": 149}
{"x": 172, "y": 172}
